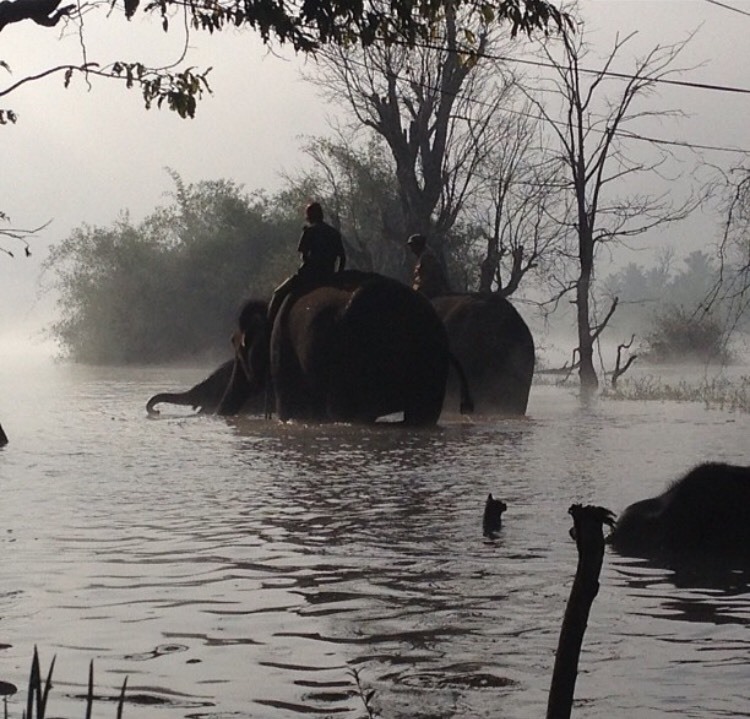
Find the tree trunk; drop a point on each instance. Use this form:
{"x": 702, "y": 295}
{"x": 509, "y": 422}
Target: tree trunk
{"x": 588, "y": 528}
{"x": 586, "y": 371}
{"x": 488, "y": 268}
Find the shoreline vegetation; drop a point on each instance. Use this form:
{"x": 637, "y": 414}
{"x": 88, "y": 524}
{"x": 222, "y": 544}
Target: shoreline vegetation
{"x": 722, "y": 393}
{"x": 730, "y": 394}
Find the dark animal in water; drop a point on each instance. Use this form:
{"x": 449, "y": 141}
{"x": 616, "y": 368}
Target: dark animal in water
{"x": 493, "y": 515}
{"x": 212, "y": 395}
{"x": 493, "y": 344}
{"x": 204, "y": 397}
{"x": 207, "y": 396}
{"x": 704, "y": 514}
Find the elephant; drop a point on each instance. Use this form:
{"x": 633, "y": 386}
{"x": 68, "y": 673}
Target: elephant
{"x": 705, "y": 514}
{"x": 206, "y": 396}
{"x": 356, "y": 349}
{"x": 211, "y": 394}
{"x": 494, "y": 346}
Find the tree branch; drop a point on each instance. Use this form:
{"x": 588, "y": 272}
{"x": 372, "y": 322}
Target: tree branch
{"x": 42, "y": 12}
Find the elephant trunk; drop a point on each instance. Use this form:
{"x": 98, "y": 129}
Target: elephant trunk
{"x": 171, "y": 397}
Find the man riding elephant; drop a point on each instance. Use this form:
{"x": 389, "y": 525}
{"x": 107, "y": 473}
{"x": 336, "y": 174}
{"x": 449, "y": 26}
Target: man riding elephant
{"x": 322, "y": 252}
{"x": 429, "y": 276}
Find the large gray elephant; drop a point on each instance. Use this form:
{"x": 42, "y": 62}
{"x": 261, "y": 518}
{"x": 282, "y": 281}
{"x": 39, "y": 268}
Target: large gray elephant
{"x": 494, "y": 346}
{"x": 213, "y": 395}
{"x": 704, "y": 514}
{"x": 359, "y": 348}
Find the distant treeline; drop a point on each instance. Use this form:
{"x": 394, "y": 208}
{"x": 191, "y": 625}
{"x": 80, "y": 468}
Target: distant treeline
{"x": 669, "y": 308}
{"x": 169, "y": 288}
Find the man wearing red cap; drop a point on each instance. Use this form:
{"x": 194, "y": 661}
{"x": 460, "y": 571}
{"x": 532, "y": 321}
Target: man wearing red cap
{"x": 429, "y": 277}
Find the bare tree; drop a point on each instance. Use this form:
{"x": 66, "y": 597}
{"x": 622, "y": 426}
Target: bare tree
{"x": 732, "y": 288}
{"x": 435, "y": 106}
{"x": 594, "y": 137}
{"x": 516, "y": 210}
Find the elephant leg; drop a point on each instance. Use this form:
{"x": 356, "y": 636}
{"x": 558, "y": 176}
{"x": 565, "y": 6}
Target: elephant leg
{"x": 424, "y": 402}
{"x": 297, "y": 398}
{"x": 423, "y": 412}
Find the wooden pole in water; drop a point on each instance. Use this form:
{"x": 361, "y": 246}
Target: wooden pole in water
{"x": 588, "y": 525}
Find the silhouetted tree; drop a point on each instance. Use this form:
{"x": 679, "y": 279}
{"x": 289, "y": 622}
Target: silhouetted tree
{"x": 515, "y": 207}
{"x": 168, "y": 288}
{"x": 590, "y": 130}
{"x": 732, "y": 286}
{"x": 306, "y": 26}
{"x": 437, "y": 107}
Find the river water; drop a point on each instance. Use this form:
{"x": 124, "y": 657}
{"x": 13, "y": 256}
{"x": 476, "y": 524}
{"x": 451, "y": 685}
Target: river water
{"x": 243, "y": 568}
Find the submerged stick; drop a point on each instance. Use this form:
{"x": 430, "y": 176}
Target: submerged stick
{"x": 588, "y": 524}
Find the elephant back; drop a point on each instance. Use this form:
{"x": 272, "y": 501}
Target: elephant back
{"x": 391, "y": 314}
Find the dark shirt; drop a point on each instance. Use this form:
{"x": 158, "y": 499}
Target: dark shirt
{"x": 321, "y": 246}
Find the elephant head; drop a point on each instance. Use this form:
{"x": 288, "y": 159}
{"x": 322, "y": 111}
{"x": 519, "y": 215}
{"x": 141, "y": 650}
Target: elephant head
{"x": 205, "y": 396}
{"x": 239, "y": 383}
{"x": 704, "y": 514}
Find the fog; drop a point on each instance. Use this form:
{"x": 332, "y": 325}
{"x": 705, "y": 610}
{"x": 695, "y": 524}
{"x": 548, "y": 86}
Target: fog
{"x": 84, "y": 154}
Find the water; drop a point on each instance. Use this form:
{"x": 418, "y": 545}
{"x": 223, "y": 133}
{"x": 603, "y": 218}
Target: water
{"x": 240, "y": 568}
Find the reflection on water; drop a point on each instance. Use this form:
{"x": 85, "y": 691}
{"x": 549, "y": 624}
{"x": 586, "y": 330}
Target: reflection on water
{"x": 243, "y": 568}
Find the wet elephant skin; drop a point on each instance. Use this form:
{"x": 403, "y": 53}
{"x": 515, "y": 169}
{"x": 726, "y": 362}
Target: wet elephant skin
{"x": 705, "y": 514}
{"x": 494, "y": 346}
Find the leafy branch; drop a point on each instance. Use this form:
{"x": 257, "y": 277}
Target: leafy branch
{"x": 18, "y": 235}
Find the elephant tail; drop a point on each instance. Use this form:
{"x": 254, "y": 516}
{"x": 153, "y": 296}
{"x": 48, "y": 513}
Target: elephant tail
{"x": 467, "y": 402}
{"x": 171, "y": 397}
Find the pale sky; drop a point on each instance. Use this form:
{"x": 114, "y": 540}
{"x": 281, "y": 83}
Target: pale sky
{"x": 83, "y": 154}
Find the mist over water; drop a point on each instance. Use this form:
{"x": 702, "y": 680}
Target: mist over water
{"x": 239, "y": 567}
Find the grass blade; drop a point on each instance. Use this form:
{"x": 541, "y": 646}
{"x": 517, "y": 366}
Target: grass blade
{"x": 121, "y": 700}
{"x": 47, "y": 687}
{"x": 90, "y": 695}
{"x": 33, "y": 685}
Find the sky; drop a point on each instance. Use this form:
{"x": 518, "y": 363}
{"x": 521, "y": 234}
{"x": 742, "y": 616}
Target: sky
{"x": 82, "y": 155}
